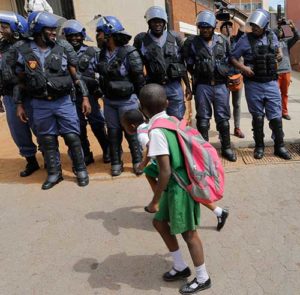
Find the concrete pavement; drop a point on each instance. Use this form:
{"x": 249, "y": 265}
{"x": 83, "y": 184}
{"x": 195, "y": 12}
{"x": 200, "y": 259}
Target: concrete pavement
{"x": 98, "y": 240}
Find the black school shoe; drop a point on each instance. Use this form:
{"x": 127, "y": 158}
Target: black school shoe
{"x": 178, "y": 276}
{"x": 187, "y": 289}
{"x": 222, "y": 219}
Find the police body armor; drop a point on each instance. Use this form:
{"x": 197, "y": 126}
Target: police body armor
{"x": 8, "y": 78}
{"x": 114, "y": 85}
{"x": 88, "y": 76}
{"x": 210, "y": 68}
{"x": 263, "y": 63}
{"x": 50, "y": 82}
{"x": 162, "y": 63}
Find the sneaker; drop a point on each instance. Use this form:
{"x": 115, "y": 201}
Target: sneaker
{"x": 222, "y": 219}
{"x": 194, "y": 287}
{"x": 287, "y": 117}
{"x": 238, "y": 133}
{"x": 168, "y": 277}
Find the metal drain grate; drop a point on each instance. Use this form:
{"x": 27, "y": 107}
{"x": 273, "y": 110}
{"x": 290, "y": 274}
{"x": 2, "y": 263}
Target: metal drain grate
{"x": 245, "y": 157}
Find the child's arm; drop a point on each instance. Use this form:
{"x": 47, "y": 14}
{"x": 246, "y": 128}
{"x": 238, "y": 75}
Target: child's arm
{"x": 163, "y": 162}
{"x": 145, "y": 160}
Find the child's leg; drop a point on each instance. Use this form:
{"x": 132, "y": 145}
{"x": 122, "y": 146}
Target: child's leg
{"x": 163, "y": 229}
{"x": 152, "y": 181}
{"x": 195, "y": 246}
{"x": 202, "y": 280}
{"x": 180, "y": 269}
{"x": 221, "y": 214}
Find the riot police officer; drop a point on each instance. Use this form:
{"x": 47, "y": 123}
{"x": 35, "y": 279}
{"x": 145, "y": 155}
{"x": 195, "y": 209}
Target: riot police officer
{"x": 260, "y": 52}
{"x": 161, "y": 53}
{"x": 121, "y": 75}
{"x": 13, "y": 27}
{"x": 47, "y": 67}
{"x": 87, "y": 63}
{"x": 207, "y": 60}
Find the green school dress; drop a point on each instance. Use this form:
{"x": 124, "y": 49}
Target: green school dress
{"x": 176, "y": 206}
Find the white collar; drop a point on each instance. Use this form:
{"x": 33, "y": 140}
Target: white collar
{"x": 162, "y": 114}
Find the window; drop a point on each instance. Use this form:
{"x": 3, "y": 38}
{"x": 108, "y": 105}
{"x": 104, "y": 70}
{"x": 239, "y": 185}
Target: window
{"x": 207, "y": 3}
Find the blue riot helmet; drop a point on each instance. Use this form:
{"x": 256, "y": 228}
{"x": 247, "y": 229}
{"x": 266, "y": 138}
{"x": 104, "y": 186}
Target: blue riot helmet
{"x": 73, "y": 26}
{"x": 38, "y": 20}
{"x": 156, "y": 12}
{"x": 206, "y": 19}
{"x": 259, "y": 17}
{"x": 17, "y": 23}
{"x": 110, "y": 25}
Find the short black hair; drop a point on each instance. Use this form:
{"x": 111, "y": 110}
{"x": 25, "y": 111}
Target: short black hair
{"x": 153, "y": 98}
{"x": 133, "y": 117}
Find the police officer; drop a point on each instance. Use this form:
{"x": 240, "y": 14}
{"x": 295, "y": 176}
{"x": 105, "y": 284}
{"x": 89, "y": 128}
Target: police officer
{"x": 260, "y": 52}
{"x": 48, "y": 69}
{"x": 13, "y": 27}
{"x": 207, "y": 60}
{"x": 121, "y": 73}
{"x": 87, "y": 63}
{"x": 162, "y": 56}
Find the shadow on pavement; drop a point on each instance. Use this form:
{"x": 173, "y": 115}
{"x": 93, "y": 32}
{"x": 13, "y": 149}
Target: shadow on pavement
{"x": 126, "y": 217}
{"x": 141, "y": 272}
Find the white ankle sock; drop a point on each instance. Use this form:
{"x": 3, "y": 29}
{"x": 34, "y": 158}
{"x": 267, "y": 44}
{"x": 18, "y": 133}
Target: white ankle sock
{"x": 201, "y": 273}
{"x": 218, "y": 211}
{"x": 178, "y": 262}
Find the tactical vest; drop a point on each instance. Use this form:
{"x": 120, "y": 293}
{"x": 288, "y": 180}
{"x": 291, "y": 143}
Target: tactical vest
{"x": 113, "y": 84}
{"x": 50, "y": 82}
{"x": 83, "y": 67}
{"x": 264, "y": 61}
{"x": 162, "y": 63}
{"x": 8, "y": 78}
{"x": 210, "y": 68}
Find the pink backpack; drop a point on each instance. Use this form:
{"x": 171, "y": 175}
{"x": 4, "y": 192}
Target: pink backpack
{"x": 202, "y": 162}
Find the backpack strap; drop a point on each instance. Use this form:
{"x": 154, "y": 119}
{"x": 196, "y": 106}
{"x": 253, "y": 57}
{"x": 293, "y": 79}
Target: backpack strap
{"x": 171, "y": 123}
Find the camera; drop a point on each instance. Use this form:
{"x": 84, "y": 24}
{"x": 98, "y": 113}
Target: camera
{"x": 223, "y": 13}
{"x": 281, "y": 21}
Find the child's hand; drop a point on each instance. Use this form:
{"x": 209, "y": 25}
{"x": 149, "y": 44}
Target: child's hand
{"x": 152, "y": 207}
{"x": 142, "y": 165}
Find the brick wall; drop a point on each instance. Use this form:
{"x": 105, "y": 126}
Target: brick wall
{"x": 185, "y": 11}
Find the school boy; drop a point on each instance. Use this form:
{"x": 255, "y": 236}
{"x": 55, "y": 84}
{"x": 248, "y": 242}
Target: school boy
{"x": 175, "y": 211}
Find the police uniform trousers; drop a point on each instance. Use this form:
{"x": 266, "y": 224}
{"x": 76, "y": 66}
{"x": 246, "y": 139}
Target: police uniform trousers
{"x": 97, "y": 122}
{"x": 175, "y": 97}
{"x": 113, "y": 111}
{"x": 20, "y": 132}
{"x": 55, "y": 117}
{"x": 210, "y": 99}
{"x": 263, "y": 98}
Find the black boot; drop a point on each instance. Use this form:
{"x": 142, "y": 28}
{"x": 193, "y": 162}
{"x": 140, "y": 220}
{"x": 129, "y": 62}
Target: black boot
{"x": 136, "y": 152}
{"x": 32, "y": 166}
{"x": 88, "y": 155}
{"x": 279, "y": 149}
{"x": 224, "y": 130}
{"x": 203, "y": 127}
{"x": 258, "y": 135}
{"x": 101, "y": 135}
{"x": 50, "y": 145}
{"x": 115, "y": 138}
{"x": 72, "y": 140}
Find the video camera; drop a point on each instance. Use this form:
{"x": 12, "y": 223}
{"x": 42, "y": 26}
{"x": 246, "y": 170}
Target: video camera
{"x": 223, "y": 12}
{"x": 281, "y": 21}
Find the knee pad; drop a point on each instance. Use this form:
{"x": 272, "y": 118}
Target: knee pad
{"x": 72, "y": 139}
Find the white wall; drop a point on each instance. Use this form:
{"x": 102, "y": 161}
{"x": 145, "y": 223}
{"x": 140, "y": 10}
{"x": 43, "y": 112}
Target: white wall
{"x": 129, "y": 12}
